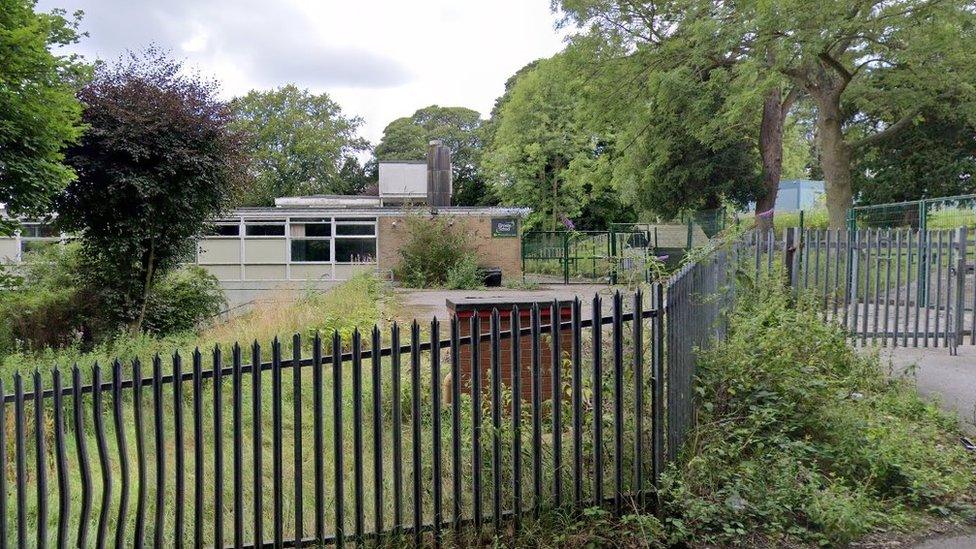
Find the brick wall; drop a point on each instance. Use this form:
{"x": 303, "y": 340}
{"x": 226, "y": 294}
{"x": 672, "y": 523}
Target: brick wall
{"x": 505, "y": 352}
{"x": 505, "y": 253}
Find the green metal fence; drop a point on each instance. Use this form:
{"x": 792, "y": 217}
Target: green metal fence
{"x": 626, "y": 253}
{"x": 564, "y": 256}
{"x": 948, "y": 212}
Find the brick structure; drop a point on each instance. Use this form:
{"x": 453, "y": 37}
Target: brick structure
{"x": 505, "y": 253}
{"x": 482, "y": 308}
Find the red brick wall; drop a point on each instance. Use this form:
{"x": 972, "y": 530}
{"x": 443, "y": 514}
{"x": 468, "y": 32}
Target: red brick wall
{"x": 505, "y": 351}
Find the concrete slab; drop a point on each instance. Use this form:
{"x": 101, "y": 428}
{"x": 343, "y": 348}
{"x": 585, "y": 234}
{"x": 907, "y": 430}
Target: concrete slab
{"x": 965, "y": 541}
{"x": 427, "y": 304}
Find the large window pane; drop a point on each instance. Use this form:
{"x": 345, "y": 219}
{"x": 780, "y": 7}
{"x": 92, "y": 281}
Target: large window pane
{"x": 318, "y": 229}
{"x": 226, "y": 230}
{"x": 34, "y": 230}
{"x": 355, "y": 230}
{"x": 356, "y": 250}
{"x": 265, "y": 229}
{"x": 309, "y": 250}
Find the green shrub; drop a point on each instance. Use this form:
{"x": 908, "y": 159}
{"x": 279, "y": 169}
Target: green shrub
{"x": 48, "y": 306}
{"x": 434, "y": 249}
{"x": 465, "y": 275}
{"x": 182, "y": 300}
{"x": 800, "y": 439}
{"x": 57, "y": 305}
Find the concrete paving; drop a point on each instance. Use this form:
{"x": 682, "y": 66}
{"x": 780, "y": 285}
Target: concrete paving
{"x": 964, "y": 541}
{"x": 949, "y": 379}
{"x": 426, "y": 304}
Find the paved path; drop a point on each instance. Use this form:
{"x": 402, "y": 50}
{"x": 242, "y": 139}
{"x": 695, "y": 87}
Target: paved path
{"x": 963, "y": 541}
{"x": 951, "y": 379}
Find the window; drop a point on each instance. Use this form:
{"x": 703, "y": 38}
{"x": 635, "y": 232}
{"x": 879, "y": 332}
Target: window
{"x": 36, "y": 230}
{"x": 355, "y": 250}
{"x": 314, "y": 228}
{"x": 226, "y": 229}
{"x": 355, "y": 230}
{"x": 265, "y": 229}
{"x": 310, "y": 250}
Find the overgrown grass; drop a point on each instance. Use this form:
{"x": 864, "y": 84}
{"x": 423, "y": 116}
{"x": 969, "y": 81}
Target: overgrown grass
{"x": 800, "y": 440}
{"x": 358, "y": 303}
{"x": 812, "y": 219}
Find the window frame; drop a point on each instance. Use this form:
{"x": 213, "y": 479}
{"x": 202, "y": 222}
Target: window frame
{"x": 270, "y": 222}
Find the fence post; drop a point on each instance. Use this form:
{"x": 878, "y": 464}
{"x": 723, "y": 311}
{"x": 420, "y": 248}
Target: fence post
{"x": 565, "y": 257}
{"x": 960, "y": 311}
{"x": 923, "y": 215}
{"x": 789, "y": 250}
{"x": 614, "y": 259}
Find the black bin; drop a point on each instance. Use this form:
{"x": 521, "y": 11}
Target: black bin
{"x": 492, "y": 276}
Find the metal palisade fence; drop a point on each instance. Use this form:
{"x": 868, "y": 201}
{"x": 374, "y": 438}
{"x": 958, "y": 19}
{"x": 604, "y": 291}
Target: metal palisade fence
{"x": 889, "y": 287}
{"x": 412, "y": 435}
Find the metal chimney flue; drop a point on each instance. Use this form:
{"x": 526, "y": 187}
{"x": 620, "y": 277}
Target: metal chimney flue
{"x": 439, "y": 183}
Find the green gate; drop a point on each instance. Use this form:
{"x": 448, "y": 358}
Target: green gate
{"x": 585, "y": 257}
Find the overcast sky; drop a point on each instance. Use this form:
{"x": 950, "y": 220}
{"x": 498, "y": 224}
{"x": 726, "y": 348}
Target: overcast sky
{"x": 380, "y": 59}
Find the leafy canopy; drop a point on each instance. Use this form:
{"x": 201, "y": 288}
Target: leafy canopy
{"x": 160, "y": 160}
{"x": 298, "y": 143}
{"x": 595, "y": 135}
{"x": 39, "y": 114}
{"x": 935, "y": 157}
{"x": 869, "y": 68}
{"x": 542, "y": 155}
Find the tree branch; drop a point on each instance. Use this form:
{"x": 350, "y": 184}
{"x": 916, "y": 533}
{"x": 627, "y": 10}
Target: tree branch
{"x": 836, "y": 65}
{"x": 790, "y": 98}
{"x": 888, "y": 132}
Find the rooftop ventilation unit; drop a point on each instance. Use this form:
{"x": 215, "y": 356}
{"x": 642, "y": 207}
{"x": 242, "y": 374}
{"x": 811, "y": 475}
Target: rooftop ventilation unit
{"x": 438, "y": 174}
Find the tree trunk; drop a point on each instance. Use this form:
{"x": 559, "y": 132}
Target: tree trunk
{"x": 835, "y": 159}
{"x": 150, "y": 267}
{"x": 771, "y": 150}
{"x": 555, "y": 202}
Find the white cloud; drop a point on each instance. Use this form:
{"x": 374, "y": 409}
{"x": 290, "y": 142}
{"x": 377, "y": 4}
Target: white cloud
{"x": 380, "y": 59}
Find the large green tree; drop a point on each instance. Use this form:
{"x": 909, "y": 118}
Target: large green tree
{"x": 159, "y": 161}
{"x": 701, "y": 37}
{"x": 298, "y": 143}
{"x": 887, "y": 60}
{"x": 884, "y": 59}
{"x": 39, "y": 114}
{"x": 459, "y": 128}
{"x": 666, "y": 167}
{"x": 536, "y": 138}
{"x": 543, "y": 151}
{"x": 934, "y": 157}
{"x": 572, "y": 139}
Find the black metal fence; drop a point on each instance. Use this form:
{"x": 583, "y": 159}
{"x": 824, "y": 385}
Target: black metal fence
{"x": 356, "y": 440}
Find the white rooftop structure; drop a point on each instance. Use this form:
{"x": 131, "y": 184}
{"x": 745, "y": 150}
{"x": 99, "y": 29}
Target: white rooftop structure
{"x": 403, "y": 181}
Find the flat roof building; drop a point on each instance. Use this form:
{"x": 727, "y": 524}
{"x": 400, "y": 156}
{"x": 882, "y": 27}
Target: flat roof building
{"x": 319, "y": 241}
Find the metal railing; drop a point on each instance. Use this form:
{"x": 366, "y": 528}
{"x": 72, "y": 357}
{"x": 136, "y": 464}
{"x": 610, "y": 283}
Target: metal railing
{"x": 898, "y": 287}
{"x": 948, "y": 212}
{"x": 353, "y": 441}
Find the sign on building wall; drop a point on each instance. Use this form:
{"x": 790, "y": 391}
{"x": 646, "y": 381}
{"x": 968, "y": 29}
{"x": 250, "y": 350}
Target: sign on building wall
{"x": 504, "y": 227}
